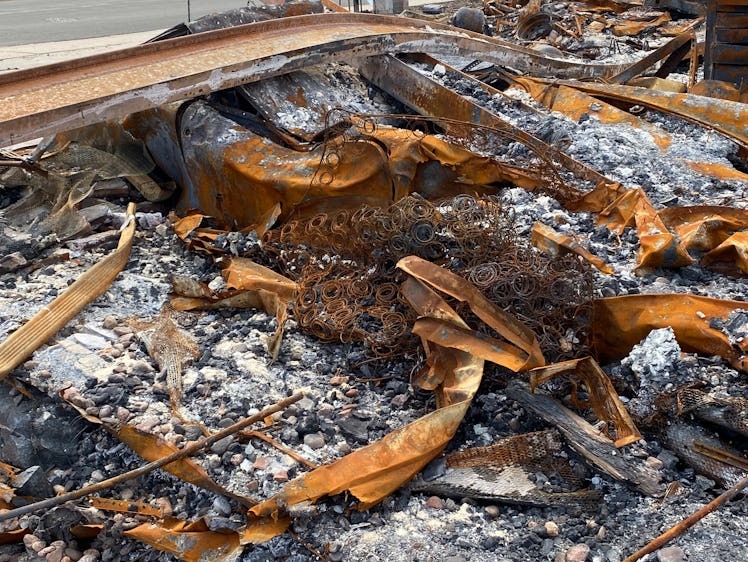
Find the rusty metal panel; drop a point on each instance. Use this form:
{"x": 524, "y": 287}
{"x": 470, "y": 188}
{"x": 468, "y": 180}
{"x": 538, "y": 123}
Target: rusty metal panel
{"x": 64, "y": 96}
{"x": 726, "y": 53}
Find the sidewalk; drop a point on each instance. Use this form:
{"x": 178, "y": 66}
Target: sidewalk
{"x": 18, "y": 57}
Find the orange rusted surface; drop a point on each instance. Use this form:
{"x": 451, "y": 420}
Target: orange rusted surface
{"x": 659, "y": 248}
{"x": 733, "y": 250}
{"x": 63, "y": 96}
{"x": 602, "y": 396}
{"x": 622, "y": 322}
{"x": 223, "y": 164}
{"x": 575, "y": 104}
{"x": 554, "y": 243}
{"x": 190, "y": 541}
{"x": 703, "y": 228}
{"x": 728, "y": 117}
{"x": 717, "y": 170}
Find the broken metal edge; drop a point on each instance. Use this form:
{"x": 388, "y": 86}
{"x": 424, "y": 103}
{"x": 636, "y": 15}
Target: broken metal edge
{"x": 45, "y": 100}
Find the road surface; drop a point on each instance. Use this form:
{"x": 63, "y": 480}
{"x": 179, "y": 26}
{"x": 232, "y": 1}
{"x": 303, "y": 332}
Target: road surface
{"x": 40, "y": 21}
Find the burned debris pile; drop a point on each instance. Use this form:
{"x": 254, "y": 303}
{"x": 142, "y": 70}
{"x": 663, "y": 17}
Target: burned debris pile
{"x": 472, "y": 255}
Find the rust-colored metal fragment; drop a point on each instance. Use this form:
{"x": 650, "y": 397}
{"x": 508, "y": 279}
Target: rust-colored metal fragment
{"x": 717, "y": 170}
{"x": 10, "y": 537}
{"x": 703, "y": 228}
{"x": 190, "y": 541}
{"x": 603, "y": 397}
{"x": 734, "y": 250}
{"x": 554, "y": 243}
{"x": 123, "y": 506}
{"x": 507, "y": 326}
{"x": 374, "y": 471}
{"x": 250, "y": 285}
{"x": 622, "y": 322}
{"x": 658, "y": 247}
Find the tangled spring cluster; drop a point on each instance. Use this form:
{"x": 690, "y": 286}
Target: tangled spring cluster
{"x": 345, "y": 263}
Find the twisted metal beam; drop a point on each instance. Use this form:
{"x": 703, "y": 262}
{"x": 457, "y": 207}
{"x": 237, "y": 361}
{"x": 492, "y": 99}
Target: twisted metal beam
{"x": 49, "y": 99}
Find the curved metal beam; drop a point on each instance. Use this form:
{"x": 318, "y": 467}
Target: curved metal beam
{"x": 69, "y": 95}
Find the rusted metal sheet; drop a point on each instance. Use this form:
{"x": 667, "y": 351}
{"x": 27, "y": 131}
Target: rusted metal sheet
{"x": 63, "y": 96}
{"x": 726, "y": 51}
{"x": 430, "y": 98}
{"x": 728, "y": 117}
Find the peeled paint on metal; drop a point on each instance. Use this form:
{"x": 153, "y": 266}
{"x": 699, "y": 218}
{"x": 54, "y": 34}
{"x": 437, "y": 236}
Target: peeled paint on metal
{"x": 46, "y": 100}
{"x": 619, "y": 323}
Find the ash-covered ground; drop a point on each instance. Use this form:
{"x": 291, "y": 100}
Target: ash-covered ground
{"x": 99, "y": 364}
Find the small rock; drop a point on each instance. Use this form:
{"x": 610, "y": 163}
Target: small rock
{"x": 551, "y": 529}
{"x": 577, "y": 553}
{"x": 261, "y": 463}
{"x": 220, "y": 446}
{"x": 492, "y": 511}
{"x": 73, "y": 553}
{"x": 435, "y": 502}
{"x": 354, "y": 429}
{"x": 222, "y": 506}
{"x": 306, "y": 404}
{"x": 280, "y": 475}
{"x": 31, "y": 541}
{"x": 110, "y": 322}
{"x": 314, "y": 440}
{"x": 165, "y": 505}
{"x": 670, "y": 554}
{"x": 654, "y": 463}
{"x": 33, "y": 482}
{"x": 90, "y": 341}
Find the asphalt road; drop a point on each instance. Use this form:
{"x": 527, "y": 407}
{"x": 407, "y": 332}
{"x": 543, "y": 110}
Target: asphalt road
{"x": 39, "y": 21}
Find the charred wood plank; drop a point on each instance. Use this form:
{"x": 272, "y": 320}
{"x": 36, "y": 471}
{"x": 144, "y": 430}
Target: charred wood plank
{"x": 586, "y": 440}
